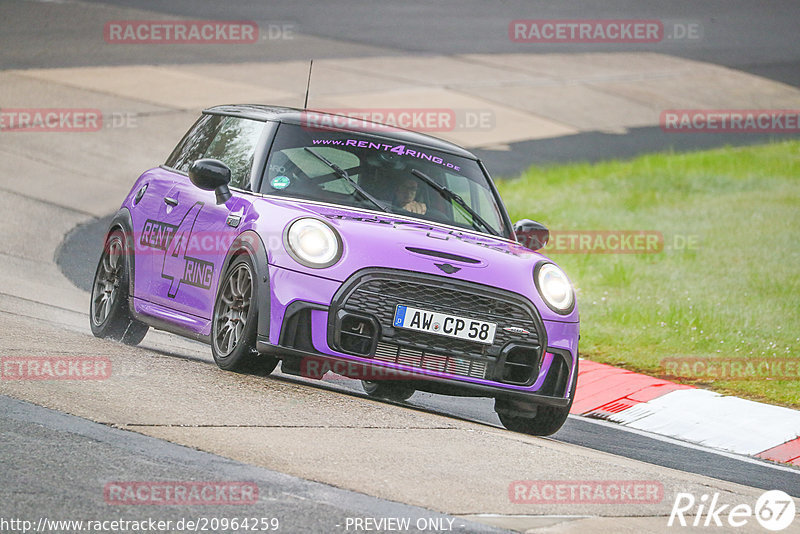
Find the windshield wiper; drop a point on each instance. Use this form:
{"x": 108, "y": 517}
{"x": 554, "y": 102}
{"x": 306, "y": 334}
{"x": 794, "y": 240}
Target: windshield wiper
{"x": 343, "y": 173}
{"x": 449, "y": 195}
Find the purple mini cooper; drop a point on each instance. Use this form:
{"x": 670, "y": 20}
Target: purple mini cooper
{"x": 377, "y": 253}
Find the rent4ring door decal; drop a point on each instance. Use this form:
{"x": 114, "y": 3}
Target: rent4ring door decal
{"x": 177, "y": 266}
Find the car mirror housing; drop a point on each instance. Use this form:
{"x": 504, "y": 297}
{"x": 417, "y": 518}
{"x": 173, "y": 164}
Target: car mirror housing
{"x": 212, "y": 175}
{"x": 531, "y": 234}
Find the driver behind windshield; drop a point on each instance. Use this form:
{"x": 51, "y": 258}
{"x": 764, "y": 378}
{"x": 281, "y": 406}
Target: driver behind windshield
{"x": 405, "y": 196}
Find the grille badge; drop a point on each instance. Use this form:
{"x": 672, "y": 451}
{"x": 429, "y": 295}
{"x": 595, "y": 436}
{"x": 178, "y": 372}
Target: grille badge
{"x": 516, "y": 330}
{"x": 447, "y": 268}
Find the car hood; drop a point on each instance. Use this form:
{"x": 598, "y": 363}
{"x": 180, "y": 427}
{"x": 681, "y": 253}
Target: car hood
{"x": 383, "y": 240}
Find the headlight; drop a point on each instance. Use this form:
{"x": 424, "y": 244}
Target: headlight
{"x": 313, "y": 243}
{"x": 554, "y": 288}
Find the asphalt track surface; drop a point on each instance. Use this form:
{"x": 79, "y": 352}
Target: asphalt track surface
{"x": 78, "y": 454}
{"x": 610, "y": 438}
{"x": 82, "y": 243}
{"x": 743, "y": 35}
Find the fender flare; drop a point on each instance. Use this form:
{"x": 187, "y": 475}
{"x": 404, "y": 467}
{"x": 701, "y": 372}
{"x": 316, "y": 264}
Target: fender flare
{"x": 250, "y": 243}
{"x": 123, "y": 221}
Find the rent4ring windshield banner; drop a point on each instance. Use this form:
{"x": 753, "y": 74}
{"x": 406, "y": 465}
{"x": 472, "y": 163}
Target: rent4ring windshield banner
{"x": 385, "y": 174}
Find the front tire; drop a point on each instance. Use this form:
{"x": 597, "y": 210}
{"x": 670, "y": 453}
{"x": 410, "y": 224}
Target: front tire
{"x": 234, "y": 324}
{"x": 548, "y": 419}
{"x": 390, "y": 390}
{"x": 109, "y": 310}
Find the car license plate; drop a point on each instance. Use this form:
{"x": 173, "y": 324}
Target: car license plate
{"x": 444, "y": 325}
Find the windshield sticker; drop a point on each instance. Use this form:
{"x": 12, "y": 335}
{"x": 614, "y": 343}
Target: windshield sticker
{"x": 400, "y": 150}
{"x": 279, "y": 182}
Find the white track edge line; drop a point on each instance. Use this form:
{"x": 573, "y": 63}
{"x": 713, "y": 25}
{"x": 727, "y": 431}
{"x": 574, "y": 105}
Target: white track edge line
{"x": 688, "y": 444}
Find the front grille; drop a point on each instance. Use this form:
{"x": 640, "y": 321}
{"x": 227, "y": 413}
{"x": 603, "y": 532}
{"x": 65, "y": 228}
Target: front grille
{"x": 513, "y": 358}
{"x": 380, "y": 296}
{"x": 388, "y": 352}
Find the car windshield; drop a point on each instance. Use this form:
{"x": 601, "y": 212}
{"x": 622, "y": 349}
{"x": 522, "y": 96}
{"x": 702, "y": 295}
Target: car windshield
{"x": 381, "y": 174}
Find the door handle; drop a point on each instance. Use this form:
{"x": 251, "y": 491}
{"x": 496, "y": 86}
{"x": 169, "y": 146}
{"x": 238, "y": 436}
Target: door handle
{"x": 171, "y": 201}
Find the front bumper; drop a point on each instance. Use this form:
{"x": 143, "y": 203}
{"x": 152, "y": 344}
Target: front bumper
{"x": 352, "y": 332}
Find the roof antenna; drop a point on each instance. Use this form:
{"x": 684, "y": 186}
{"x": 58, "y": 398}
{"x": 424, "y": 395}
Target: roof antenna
{"x": 308, "y": 84}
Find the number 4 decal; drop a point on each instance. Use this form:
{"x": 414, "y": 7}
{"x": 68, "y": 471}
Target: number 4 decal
{"x": 175, "y": 255}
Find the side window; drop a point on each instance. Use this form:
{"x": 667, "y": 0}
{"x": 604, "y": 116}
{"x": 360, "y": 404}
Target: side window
{"x": 195, "y": 143}
{"x": 234, "y": 145}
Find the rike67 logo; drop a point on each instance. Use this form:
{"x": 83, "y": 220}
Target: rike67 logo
{"x": 774, "y": 510}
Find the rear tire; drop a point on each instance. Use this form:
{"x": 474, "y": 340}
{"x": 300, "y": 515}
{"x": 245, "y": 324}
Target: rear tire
{"x": 548, "y": 419}
{"x": 389, "y": 390}
{"x": 235, "y": 321}
{"x": 109, "y": 310}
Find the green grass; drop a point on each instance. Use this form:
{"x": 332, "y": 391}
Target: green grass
{"x": 735, "y": 295}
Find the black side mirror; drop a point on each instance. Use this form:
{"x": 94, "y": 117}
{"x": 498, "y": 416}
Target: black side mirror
{"x": 212, "y": 175}
{"x": 531, "y": 234}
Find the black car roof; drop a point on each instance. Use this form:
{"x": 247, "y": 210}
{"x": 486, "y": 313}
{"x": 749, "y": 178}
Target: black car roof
{"x": 296, "y": 116}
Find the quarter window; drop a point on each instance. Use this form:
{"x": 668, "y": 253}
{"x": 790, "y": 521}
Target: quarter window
{"x": 195, "y": 143}
{"x": 235, "y": 145}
